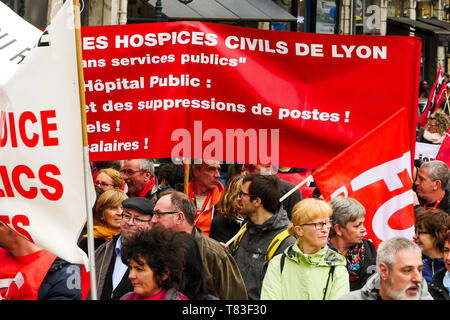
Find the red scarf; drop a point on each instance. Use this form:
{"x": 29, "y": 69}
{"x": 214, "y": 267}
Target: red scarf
{"x": 148, "y": 187}
{"x": 21, "y": 277}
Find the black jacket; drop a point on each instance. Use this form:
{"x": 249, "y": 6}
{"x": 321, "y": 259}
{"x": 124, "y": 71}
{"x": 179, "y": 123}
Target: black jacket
{"x": 250, "y": 251}
{"x": 437, "y": 289}
{"x": 290, "y": 201}
{"x": 368, "y": 268}
{"x": 443, "y": 205}
{"x": 222, "y": 229}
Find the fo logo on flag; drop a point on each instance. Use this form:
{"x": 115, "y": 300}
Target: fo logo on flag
{"x": 376, "y": 171}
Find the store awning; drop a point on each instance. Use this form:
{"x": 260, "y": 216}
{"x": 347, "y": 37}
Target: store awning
{"x": 274, "y": 11}
{"x": 423, "y": 26}
{"x": 436, "y": 22}
{"x": 225, "y": 10}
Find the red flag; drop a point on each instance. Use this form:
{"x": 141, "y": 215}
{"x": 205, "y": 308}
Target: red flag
{"x": 437, "y": 95}
{"x": 444, "y": 151}
{"x": 376, "y": 171}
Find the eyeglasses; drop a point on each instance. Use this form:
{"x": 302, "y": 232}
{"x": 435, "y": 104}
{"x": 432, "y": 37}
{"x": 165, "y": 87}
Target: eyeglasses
{"x": 127, "y": 217}
{"x": 242, "y": 193}
{"x": 129, "y": 172}
{"x": 418, "y": 233}
{"x": 158, "y": 214}
{"x": 319, "y": 225}
{"x": 103, "y": 185}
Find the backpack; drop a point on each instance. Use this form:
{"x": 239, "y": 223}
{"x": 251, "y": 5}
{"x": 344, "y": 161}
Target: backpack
{"x": 273, "y": 245}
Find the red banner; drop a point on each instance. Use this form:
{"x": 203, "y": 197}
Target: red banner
{"x": 444, "y": 151}
{"x": 435, "y": 98}
{"x": 376, "y": 171}
{"x": 238, "y": 94}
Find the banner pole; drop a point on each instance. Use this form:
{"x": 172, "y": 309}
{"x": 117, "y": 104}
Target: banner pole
{"x": 235, "y": 236}
{"x": 87, "y": 175}
{"x": 446, "y": 95}
{"x": 186, "y": 176}
{"x": 309, "y": 178}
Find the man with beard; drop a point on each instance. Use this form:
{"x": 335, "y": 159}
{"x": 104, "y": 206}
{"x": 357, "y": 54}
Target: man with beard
{"x": 285, "y": 186}
{"x": 112, "y": 273}
{"x": 399, "y": 276}
{"x": 266, "y": 219}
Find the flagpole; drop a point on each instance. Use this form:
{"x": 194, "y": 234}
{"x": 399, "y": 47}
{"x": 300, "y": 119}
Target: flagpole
{"x": 235, "y": 236}
{"x": 90, "y": 222}
{"x": 446, "y": 95}
{"x": 309, "y": 178}
{"x": 186, "y": 176}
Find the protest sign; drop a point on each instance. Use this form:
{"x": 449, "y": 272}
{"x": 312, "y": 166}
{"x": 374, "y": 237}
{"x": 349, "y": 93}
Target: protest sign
{"x": 426, "y": 151}
{"x": 376, "y": 171}
{"x": 235, "y": 94}
{"x": 17, "y": 37}
{"x": 42, "y": 188}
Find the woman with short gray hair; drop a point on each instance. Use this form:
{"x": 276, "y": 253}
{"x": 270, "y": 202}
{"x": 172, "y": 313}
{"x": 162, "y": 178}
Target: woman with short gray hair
{"x": 347, "y": 238}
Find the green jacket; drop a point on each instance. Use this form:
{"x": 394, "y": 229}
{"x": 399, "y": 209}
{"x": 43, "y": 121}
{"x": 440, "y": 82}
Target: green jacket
{"x": 304, "y": 276}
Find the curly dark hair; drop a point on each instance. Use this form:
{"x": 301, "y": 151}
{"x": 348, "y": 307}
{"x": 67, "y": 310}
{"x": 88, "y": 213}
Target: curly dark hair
{"x": 162, "y": 249}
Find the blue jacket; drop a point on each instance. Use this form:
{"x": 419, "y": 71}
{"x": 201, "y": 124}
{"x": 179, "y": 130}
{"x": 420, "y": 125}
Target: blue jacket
{"x": 431, "y": 267}
{"x": 62, "y": 282}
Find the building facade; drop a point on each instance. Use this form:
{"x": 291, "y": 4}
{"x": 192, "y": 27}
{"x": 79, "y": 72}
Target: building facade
{"x": 427, "y": 19}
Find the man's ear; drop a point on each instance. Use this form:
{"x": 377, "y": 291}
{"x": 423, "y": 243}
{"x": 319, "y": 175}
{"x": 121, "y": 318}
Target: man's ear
{"x": 194, "y": 171}
{"x": 257, "y": 201}
{"x": 384, "y": 271}
{"x": 180, "y": 217}
{"x": 438, "y": 184}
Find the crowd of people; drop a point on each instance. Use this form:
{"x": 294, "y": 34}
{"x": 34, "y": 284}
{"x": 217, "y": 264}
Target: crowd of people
{"x": 153, "y": 241}
{"x": 228, "y": 237}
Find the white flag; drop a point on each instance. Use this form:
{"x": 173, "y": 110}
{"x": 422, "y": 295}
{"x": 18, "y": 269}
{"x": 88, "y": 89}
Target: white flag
{"x": 17, "y": 37}
{"x": 41, "y": 168}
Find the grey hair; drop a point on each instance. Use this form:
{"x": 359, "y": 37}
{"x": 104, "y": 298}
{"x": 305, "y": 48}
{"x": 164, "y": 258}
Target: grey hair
{"x": 345, "y": 210}
{"x": 438, "y": 170}
{"x": 147, "y": 165}
{"x": 388, "y": 249}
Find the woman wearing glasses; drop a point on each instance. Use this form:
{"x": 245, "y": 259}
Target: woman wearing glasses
{"x": 307, "y": 270}
{"x": 435, "y": 129}
{"x": 430, "y": 228}
{"x": 108, "y": 179}
{"x": 347, "y": 238}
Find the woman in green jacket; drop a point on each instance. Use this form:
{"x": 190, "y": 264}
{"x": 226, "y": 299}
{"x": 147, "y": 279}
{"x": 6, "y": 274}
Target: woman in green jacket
{"x": 307, "y": 270}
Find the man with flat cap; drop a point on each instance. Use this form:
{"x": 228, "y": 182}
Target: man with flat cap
{"x": 111, "y": 273}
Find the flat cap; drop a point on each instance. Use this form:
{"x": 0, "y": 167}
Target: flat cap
{"x": 141, "y": 204}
